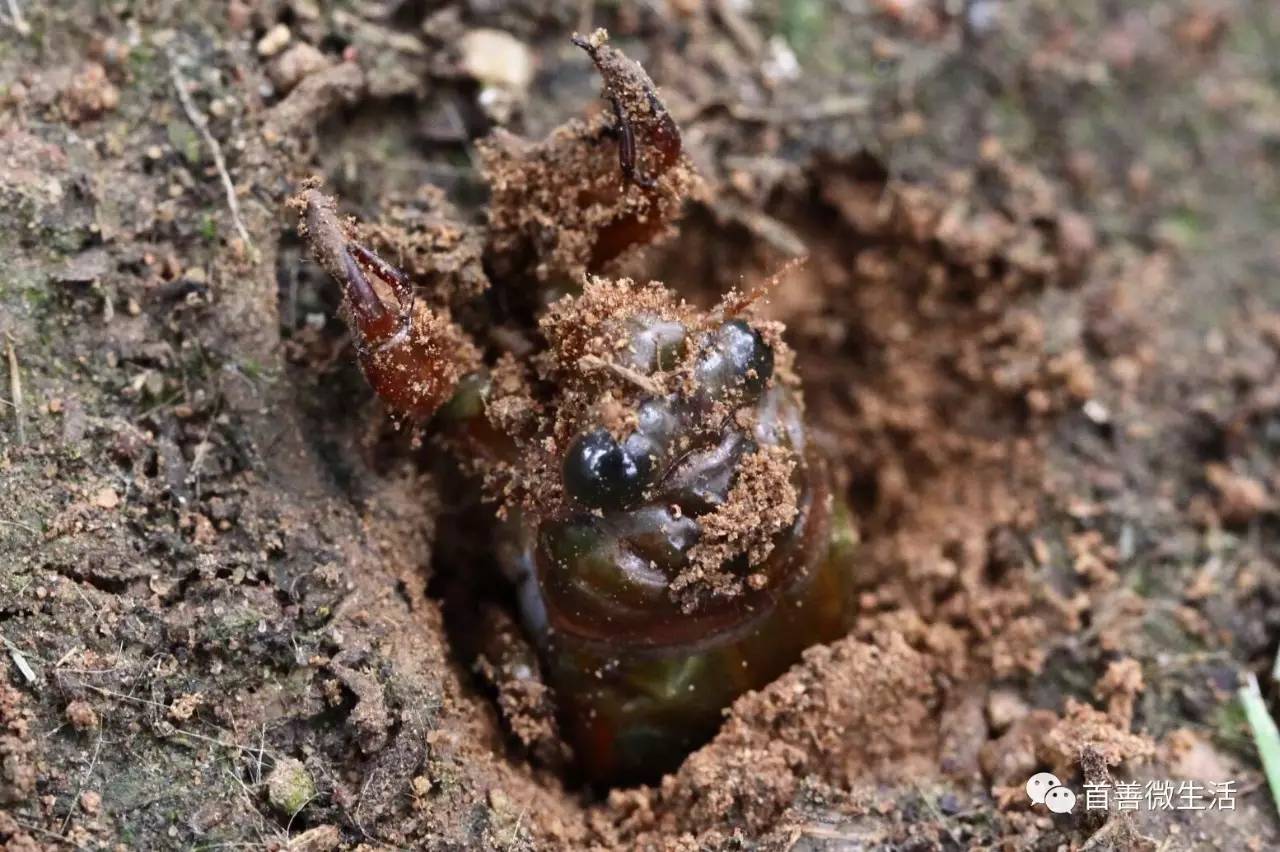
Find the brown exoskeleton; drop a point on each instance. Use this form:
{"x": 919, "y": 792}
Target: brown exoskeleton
{"x": 671, "y": 534}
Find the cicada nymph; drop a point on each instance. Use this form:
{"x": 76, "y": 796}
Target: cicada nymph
{"x": 671, "y": 532}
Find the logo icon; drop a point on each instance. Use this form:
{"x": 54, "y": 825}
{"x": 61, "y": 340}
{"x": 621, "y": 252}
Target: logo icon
{"x": 1060, "y": 800}
{"x": 1044, "y": 788}
{"x": 1040, "y": 784}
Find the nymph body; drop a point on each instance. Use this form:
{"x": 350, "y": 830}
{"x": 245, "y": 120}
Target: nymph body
{"x": 670, "y": 531}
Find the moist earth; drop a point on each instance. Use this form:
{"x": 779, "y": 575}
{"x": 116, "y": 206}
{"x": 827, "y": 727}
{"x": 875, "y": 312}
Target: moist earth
{"x": 1037, "y": 323}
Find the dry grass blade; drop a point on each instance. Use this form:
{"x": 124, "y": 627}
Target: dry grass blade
{"x": 20, "y": 661}
{"x": 220, "y": 163}
{"x": 19, "y": 22}
{"x": 15, "y": 390}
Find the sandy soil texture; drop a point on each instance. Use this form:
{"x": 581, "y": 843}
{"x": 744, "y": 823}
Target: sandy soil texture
{"x": 1037, "y": 325}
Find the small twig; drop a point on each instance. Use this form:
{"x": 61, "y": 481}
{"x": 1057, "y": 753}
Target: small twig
{"x": 817, "y": 831}
{"x": 364, "y": 788}
{"x": 735, "y": 302}
{"x": 20, "y": 525}
{"x": 182, "y": 732}
{"x": 26, "y": 826}
{"x": 249, "y": 800}
{"x": 75, "y": 800}
{"x": 262, "y": 746}
{"x": 746, "y": 36}
{"x": 515, "y": 832}
{"x": 202, "y": 126}
{"x": 19, "y": 23}
{"x": 646, "y": 384}
{"x": 202, "y": 448}
{"x": 120, "y": 695}
{"x": 15, "y": 390}
{"x": 68, "y": 656}
{"x": 20, "y": 661}
{"x": 75, "y": 584}
{"x": 761, "y": 225}
{"x": 837, "y": 106}
{"x": 1111, "y": 835}
{"x": 941, "y": 818}
{"x": 288, "y": 828}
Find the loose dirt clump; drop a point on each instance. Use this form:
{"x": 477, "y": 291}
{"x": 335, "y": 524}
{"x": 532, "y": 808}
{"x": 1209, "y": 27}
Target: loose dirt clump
{"x": 17, "y": 748}
{"x": 762, "y": 502}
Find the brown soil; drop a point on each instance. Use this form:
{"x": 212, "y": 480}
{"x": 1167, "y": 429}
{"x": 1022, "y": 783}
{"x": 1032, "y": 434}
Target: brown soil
{"x": 1038, "y": 330}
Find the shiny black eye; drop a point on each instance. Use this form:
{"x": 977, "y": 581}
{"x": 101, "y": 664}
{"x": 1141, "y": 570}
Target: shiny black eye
{"x": 737, "y": 356}
{"x": 603, "y": 474}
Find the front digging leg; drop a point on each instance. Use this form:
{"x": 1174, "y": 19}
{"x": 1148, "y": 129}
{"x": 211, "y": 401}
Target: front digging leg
{"x": 412, "y": 356}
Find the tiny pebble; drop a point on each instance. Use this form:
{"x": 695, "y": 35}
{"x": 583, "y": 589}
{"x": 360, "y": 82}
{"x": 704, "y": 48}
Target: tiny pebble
{"x": 497, "y": 58}
{"x": 90, "y": 802}
{"x": 106, "y": 499}
{"x": 274, "y": 41}
{"x": 296, "y": 63}
{"x": 1097, "y": 412}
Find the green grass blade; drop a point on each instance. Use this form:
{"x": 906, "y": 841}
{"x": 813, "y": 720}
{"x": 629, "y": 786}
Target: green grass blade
{"x": 1265, "y": 735}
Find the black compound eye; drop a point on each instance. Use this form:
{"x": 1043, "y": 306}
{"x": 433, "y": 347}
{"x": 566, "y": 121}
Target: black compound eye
{"x": 603, "y": 474}
{"x": 736, "y": 357}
